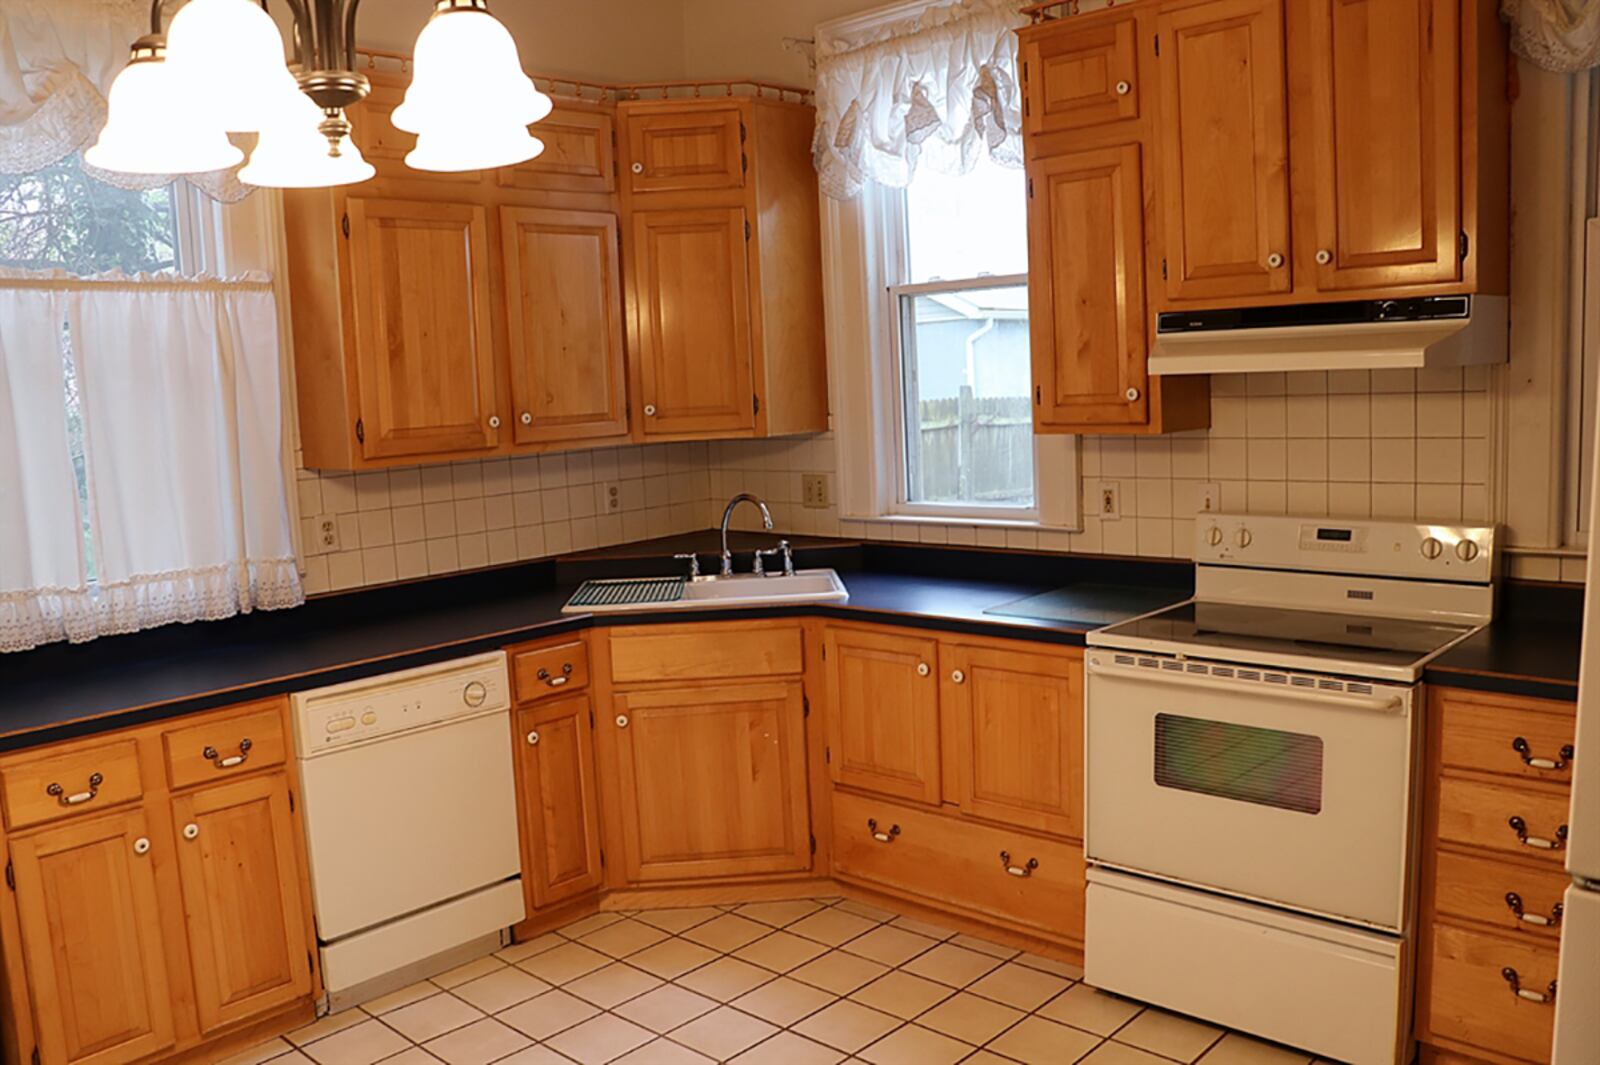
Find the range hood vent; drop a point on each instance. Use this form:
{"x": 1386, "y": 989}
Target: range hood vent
{"x": 1413, "y": 334}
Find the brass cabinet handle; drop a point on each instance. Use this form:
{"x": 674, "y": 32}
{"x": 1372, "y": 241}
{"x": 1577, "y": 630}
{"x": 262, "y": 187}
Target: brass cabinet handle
{"x": 210, "y": 754}
{"x": 882, "y": 837}
{"x": 191, "y": 831}
{"x": 533, "y": 738}
{"x": 1520, "y": 745}
{"x": 1548, "y": 995}
{"x": 556, "y": 682}
{"x": 1018, "y": 870}
{"x": 77, "y": 798}
{"x": 1514, "y": 902}
{"x": 1520, "y": 827}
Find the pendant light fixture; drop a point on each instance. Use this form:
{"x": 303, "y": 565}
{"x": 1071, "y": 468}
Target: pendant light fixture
{"x": 220, "y": 70}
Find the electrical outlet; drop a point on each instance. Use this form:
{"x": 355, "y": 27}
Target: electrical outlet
{"x": 325, "y": 535}
{"x": 1110, "y": 500}
{"x": 814, "y": 490}
{"x": 1210, "y": 497}
{"x": 610, "y": 498}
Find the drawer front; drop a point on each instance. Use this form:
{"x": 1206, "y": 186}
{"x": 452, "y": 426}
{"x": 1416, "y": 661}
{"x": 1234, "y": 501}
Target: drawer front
{"x": 555, "y": 669}
{"x": 1504, "y": 818}
{"x": 1471, "y": 999}
{"x": 226, "y": 746}
{"x": 704, "y": 652}
{"x": 85, "y": 781}
{"x": 1514, "y": 898}
{"x": 1039, "y": 883}
{"x": 1518, "y": 741}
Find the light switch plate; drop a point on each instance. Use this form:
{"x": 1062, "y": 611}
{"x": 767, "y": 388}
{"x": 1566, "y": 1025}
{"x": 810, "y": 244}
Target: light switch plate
{"x": 814, "y": 490}
{"x": 1110, "y": 504}
{"x": 1210, "y": 497}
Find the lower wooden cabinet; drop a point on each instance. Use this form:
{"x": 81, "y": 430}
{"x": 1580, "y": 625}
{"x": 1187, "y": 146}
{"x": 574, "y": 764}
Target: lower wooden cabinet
{"x": 556, "y": 786}
{"x": 883, "y": 711}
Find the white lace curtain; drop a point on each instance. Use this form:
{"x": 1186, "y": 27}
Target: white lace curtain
{"x": 57, "y": 62}
{"x": 184, "y": 514}
{"x": 934, "y": 88}
{"x": 1559, "y": 35}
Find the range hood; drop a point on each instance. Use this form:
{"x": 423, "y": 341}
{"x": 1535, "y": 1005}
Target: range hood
{"x": 1410, "y": 334}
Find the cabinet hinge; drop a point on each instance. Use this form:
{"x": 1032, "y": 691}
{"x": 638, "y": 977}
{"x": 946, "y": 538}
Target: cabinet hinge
{"x": 744, "y": 133}
{"x": 813, "y": 844}
{"x": 1027, "y": 106}
{"x": 744, "y": 163}
{"x": 1158, "y": 44}
{"x": 1163, "y": 268}
{"x": 344, "y": 224}
{"x": 1024, "y": 71}
{"x": 805, "y": 706}
{"x": 1030, "y": 188}
{"x": 35, "y": 1056}
{"x": 747, "y": 229}
{"x": 1038, "y": 395}
{"x": 602, "y": 857}
{"x": 11, "y": 876}
{"x": 1465, "y": 244}
{"x": 591, "y": 719}
{"x": 827, "y": 756}
{"x": 291, "y": 802}
{"x": 755, "y": 403}
{"x": 361, "y": 431}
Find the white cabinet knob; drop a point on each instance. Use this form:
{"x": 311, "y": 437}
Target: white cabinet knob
{"x": 527, "y": 419}
{"x": 649, "y": 410}
{"x": 141, "y": 846}
{"x": 958, "y": 676}
{"x": 923, "y": 669}
{"x": 1123, "y": 88}
{"x": 1132, "y": 395}
{"x": 622, "y": 720}
{"x": 638, "y": 168}
{"x": 533, "y": 738}
{"x": 1275, "y": 260}
{"x": 494, "y": 421}
{"x": 1324, "y": 257}
{"x": 191, "y": 831}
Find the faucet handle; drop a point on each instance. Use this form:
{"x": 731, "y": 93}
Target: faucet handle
{"x": 694, "y": 563}
{"x": 788, "y": 558}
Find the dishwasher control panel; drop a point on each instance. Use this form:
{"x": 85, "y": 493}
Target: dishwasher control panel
{"x": 344, "y": 714}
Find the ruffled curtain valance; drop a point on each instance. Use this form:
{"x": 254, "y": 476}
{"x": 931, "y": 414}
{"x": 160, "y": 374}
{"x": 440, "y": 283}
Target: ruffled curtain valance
{"x": 938, "y": 88}
{"x": 57, "y": 62}
{"x": 1559, "y": 35}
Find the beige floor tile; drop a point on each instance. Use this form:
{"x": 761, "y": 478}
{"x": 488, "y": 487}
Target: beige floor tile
{"x": 915, "y": 1045}
{"x": 679, "y": 920}
{"x": 781, "y": 951}
{"x": 617, "y": 982}
{"x": 360, "y": 1044}
{"x": 622, "y": 938}
{"x": 984, "y": 946}
{"x": 672, "y": 957}
{"x": 969, "y": 1018}
{"x": 831, "y": 926}
{"x": 534, "y": 1055}
{"x": 1053, "y": 966}
{"x": 666, "y": 1008}
{"x": 727, "y": 933}
{"x": 1035, "y": 1039}
{"x": 565, "y": 963}
{"x": 1169, "y": 1035}
{"x": 551, "y": 1012}
{"x": 500, "y": 989}
{"x": 778, "y": 914}
{"x": 1019, "y": 986}
{"x": 522, "y": 951}
{"x": 786, "y": 1048}
{"x": 663, "y": 1052}
{"x": 1118, "y": 1054}
{"x": 862, "y": 909}
{"x": 256, "y": 1055}
{"x": 413, "y": 1056}
{"x": 421, "y": 1021}
{"x": 839, "y": 972}
{"x": 985, "y": 1057}
{"x": 847, "y": 1026}
{"x": 950, "y": 964}
{"x": 294, "y": 1057}
{"x": 722, "y": 1033}
{"x": 470, "y": 971}
{"x": 1236, "y": 1049}
{"x": 477, "y": 1044}
{"x": 725, "y": 979}
{"x": 924, "y": 928}
{"x": 403, "y": 997}
{"x": 902, "y": 994}
{"x": 600, "y": 1039}
{"x": 783, "y": 1001}
{"x": 890, "y": 945}
{"x": 592, "y": 923}
{"x": 1091, "y": 1009}
{"x": 333, "y": 1022}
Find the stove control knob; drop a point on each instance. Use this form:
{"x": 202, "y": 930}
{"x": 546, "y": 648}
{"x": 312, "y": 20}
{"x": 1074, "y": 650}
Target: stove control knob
{"x": 1214, "y": 536}
{"x": 1467, "y": 550}
{"x": 1432, "y": 548}
{"x": 1243, "y": 538}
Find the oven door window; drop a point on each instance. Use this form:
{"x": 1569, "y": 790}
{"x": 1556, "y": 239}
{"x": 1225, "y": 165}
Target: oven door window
{"x": 1242, "y": 762}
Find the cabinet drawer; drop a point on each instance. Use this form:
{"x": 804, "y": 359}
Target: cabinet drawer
{"x": 1471, "y": 999}
{"x": 84, "y": 781}
{"x": 704, "y": 652}
{"x": 555, "y": 669}
{"x": 1511, "y": 897}
{"x": 225, "y": 746}
{"x": 1520, "y": 741}
{"x": 1504, "y": 818}
{"x": 955, "y": 863}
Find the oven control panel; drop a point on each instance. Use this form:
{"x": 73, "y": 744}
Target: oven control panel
{"x": 344, "y": 714}
{"x": 1437, "y": 552}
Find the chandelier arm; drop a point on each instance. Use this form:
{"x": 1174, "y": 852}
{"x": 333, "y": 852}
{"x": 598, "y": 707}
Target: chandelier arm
{"x": 302, "y": 29}
{"x": 350, "y": 33}
{"x": 155, "y": 17}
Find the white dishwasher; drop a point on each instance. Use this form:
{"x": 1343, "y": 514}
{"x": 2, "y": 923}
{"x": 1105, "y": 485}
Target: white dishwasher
{"x": 411, "y": 825}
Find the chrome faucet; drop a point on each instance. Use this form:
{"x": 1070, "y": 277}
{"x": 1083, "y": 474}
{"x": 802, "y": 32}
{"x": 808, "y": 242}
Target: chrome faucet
{"x": 727, "y": 515}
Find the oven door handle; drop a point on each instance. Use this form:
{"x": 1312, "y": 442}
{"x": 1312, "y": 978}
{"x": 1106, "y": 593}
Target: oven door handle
{"x": 1375, "y": 703}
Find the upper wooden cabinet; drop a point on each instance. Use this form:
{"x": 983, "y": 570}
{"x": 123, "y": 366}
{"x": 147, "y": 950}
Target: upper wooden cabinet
{"x": 678, "y": 149}
{"x": 1076, "y": 80}
{"x": 580, "y": 153}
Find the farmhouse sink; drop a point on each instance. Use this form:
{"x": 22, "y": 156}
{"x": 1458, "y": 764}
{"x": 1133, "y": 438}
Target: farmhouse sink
{"x": 637, "y": 594}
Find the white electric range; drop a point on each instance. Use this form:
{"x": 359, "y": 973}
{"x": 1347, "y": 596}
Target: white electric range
{"x": 1252, "y": 757}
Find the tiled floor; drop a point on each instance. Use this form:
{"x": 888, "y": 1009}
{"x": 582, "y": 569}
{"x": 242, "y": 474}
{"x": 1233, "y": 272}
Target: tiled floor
{"x": 768, "y": 983}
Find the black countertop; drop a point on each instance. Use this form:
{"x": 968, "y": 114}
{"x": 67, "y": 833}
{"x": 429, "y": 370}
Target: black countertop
{"x": 64, "y": 690}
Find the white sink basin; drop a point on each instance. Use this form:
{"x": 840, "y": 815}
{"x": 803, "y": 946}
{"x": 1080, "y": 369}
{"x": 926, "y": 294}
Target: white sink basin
{"x": 649, "y": 594}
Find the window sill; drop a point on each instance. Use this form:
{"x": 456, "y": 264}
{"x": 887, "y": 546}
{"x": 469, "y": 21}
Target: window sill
{"x": 977, "y": 523}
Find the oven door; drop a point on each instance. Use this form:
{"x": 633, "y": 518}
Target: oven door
{"x": 1290, "y": 789}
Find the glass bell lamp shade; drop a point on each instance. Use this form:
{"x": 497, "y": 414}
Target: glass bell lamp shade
{"x": 227, "y": 55}
{"x": 293, "y": 153}
{"x": 473, "y": 147}
{"x": 152, "y": 129}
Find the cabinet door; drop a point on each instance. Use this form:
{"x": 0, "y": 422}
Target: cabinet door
{"x": 712, "y": 781}
{"x": 92, "y": 941}
{"x": 1382, "y": 121}
{"x": 242, "y": 898}
{"x": 1223, "y": 148}
{"x": 701, "y": 147}
{"x": 692, "y": 293}
{"x": 1016, "y": 734}
{"x": 424, "y": 353}
{"x": 883, "y": 712}
{"x": 1086, "y": 286}
{"x": 565, "y": 317}
{"x": 1081, "y": 76}
{"x": 560, "y": 819}
{"x": 579, "y": 154}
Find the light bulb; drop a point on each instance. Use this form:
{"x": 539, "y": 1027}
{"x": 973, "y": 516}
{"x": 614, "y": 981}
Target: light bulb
{"x": 227, "y": 55}
{"x": 293, "y": 153}
{"x": 153, "y": 128}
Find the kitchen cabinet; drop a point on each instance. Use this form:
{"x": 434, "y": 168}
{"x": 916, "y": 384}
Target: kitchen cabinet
{"x": 560, "y": 815}
{"x": 883, "y": 711}
{"x": 722, "y": 252}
